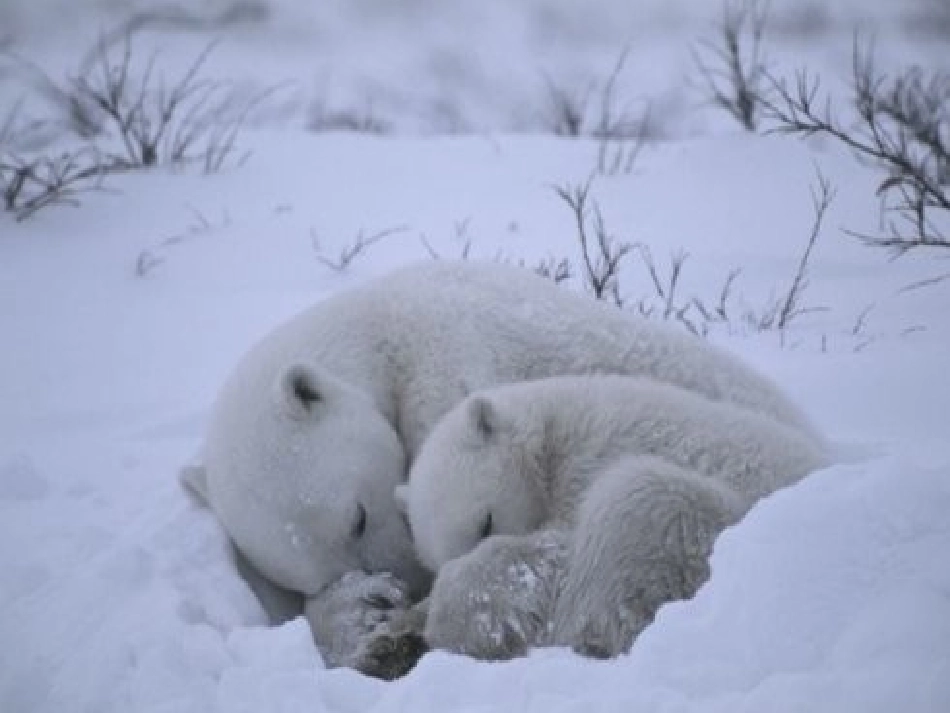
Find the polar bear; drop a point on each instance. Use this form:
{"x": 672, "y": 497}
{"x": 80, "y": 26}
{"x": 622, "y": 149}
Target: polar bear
{"x": 320, "y": 420}
{"x": 640, "y": 475}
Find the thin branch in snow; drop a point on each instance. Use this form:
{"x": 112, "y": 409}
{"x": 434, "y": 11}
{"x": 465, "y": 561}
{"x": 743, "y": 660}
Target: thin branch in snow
{"x": 361, "y": 243}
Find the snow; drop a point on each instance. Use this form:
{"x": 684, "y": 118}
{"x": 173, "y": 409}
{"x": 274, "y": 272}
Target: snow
{"x": 116, "y": 590}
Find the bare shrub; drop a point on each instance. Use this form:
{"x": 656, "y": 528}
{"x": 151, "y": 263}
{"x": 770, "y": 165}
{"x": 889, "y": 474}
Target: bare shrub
{"x": 598, "y": 111}
{"x": 780, "y": 312}
{"x": 667, "y": 301}
{"x": 617, "y": 154}
{"x": 123, "y": 120}
{"x": 185, "y": 121}
{"x": 150, "y": 120}
{"x": 733, "y": 66}
{"x": 903, "y": 125}
{"x": 617, "y": 157}
{"x": 601, "y": 252}
{"x": 663, "y": 303}
{"x": 360, "y": 244}
{"x": 461, "y": 235}
{"x": 324, "y": 119}
{"x": 30, "y": 184}
{"x": 614, "y": 119}
{"x": 556, "y": 270}
{"x": 621, "y": 132}
{"x": 151, "y": 258}
{"x": 925, "y": 282}
{"x": 465, "y": 250}
{"x": 665, "y": 288}
{"x": 718, "y": 312}
{"x": 791, "y": 306}
{"x": 568, "y": 108}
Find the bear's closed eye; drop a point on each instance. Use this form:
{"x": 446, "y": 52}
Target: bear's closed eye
{"x": 407, "y": 522}
{"x": 359, "y": 527}
{"x": 486, "y": 527}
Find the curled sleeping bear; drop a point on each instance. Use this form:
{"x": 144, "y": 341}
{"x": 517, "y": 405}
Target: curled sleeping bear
{"x": 565, "y": 511}
{"x": 319, "y": 422}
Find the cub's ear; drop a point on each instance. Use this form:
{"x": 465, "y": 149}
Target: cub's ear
{"x": 195, "y": 480}
{"x": 484, "y": 416}
{"x": 300, "y": 391}
{"x": 401, "y": 495}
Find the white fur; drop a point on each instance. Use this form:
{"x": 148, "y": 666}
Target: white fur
{"x": 322, "y": 417}
{"x": 498, "y": 600}
{"x": 643, "y": 475}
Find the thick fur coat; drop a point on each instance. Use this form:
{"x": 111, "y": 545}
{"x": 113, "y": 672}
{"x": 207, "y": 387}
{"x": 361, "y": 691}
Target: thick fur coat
{"x": 319, "y": 422}
{"x": 638, "y": 476}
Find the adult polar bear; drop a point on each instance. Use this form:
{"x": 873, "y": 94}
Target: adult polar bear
{"x": 320, "y": 420}
{"x": 606, "y": 495}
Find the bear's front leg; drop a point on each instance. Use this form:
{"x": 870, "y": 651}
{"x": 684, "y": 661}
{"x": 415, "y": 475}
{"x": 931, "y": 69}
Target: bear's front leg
{"x": 497, "y": 601}
{"x": 644, "y": 533}
{"x": 344, "y": 614}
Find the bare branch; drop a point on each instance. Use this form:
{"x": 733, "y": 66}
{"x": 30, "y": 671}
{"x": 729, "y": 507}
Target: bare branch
{"x": 568, "y": 108}
{"x": 608, "y": 124}
{"x": 27, "y": 186}
{"x": 618, "y": 155}
{"x": 904, "y": 125}
{"x": 733, "y": 68}
{"x": 821, "y": 199}
{"x": 861, "y": 320}
{"x": 187, "y": 120}
{"x": 926, "y": 282}
{"x": 556, "y": 270}
{"x": 601, "y": 252}
{"x": 360, "y": 244}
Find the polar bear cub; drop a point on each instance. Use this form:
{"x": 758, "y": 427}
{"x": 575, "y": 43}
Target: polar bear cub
{"x": 642, "y": 476}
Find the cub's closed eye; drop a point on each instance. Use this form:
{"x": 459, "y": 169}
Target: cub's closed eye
{"x": 359, "y": 526}
{"x": 406, "y": 522}
{"x": 486, "y": 527}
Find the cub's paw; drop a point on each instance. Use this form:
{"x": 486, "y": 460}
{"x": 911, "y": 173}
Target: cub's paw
{"x": 495, "y": 602}
{"x": 606, "y": 634}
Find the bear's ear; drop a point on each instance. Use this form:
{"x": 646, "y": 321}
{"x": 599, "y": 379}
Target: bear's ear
{"x": 401, "y": 495}
{"x": 483, "y": 416}
{"x": 299, "y": 391}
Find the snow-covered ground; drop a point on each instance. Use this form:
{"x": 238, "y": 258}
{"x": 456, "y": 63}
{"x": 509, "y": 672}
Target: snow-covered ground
{"x": 120, "y": 318}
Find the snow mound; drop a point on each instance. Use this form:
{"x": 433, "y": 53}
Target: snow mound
{"x": 832, "y": 595}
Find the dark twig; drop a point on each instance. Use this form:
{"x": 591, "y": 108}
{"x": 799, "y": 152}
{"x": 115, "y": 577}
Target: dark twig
{"x": 29, "y": 185}
{"x": 821, "y": 199}
{"x": 601, "y": 252}
{"x": 733, "y": 67}
{"x": 360, "y": 244}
